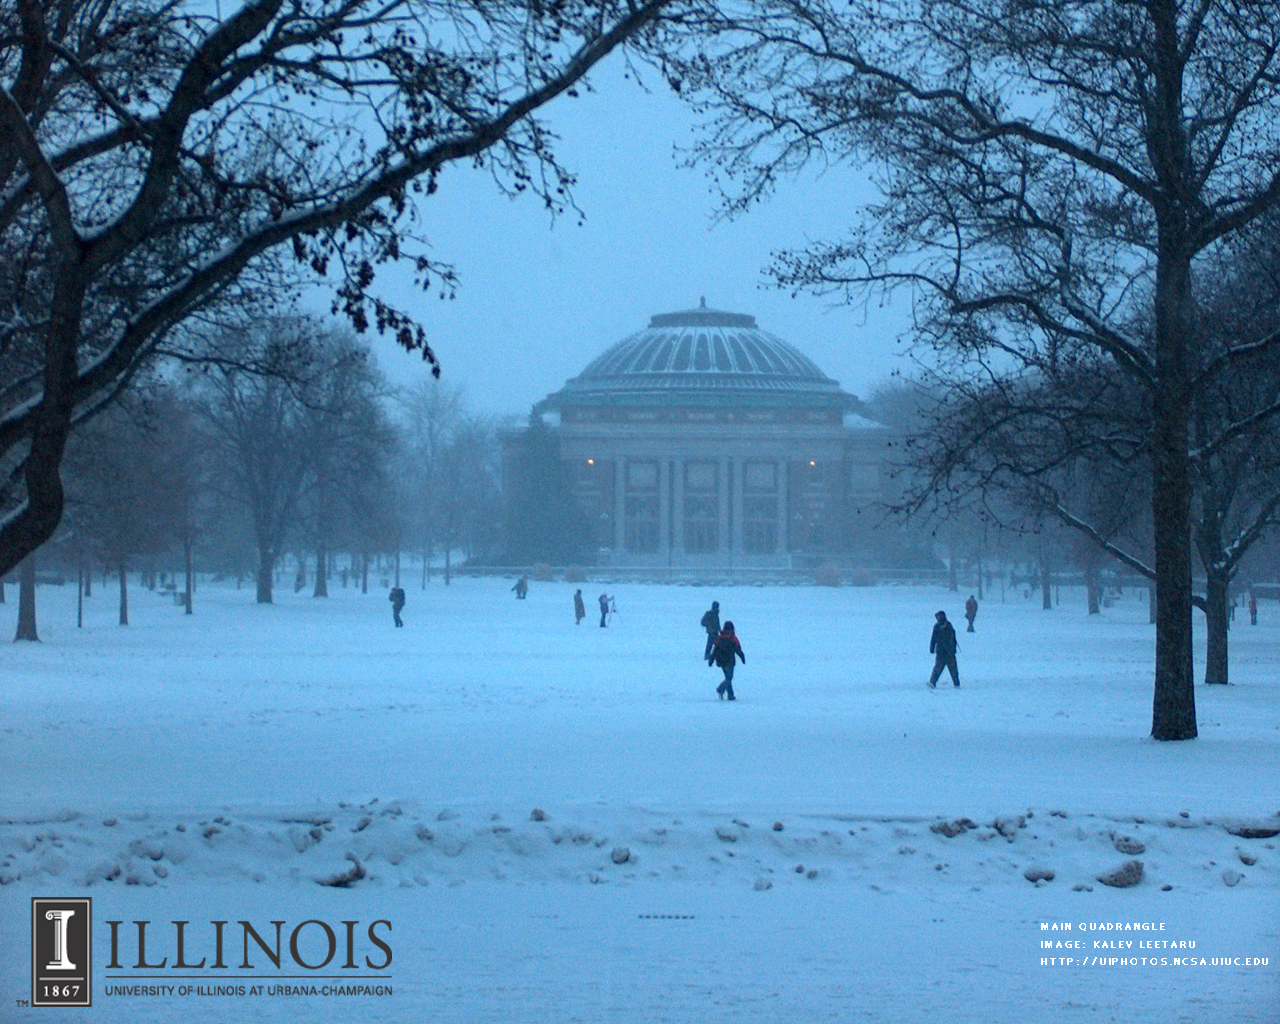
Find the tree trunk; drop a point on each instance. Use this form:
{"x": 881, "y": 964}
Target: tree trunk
{"x": 953, "y": 584}
{"x": 448, "y": 564}
{"x": 1, "y": 590}
{"x": 426, "y": 568}
{"x": 1216, "y": 618}
{"x": 322, "y": 571}
{"x": 27, "y": 600}
{"x": 397, "y": 563}
{"x": 364, "y": 573}
{"x": 88, "y": 581}
{"x": 1173, "y": 706}
{"x": 1093, "y": 589}
{"x": 80, "y": 596}
{"x": 124, "y": 595}
{"x": 981, "y": 595}
{"x": 266, "y": 573}
{"x": 190, "y": 578}
{"x": 1046, "y": 586}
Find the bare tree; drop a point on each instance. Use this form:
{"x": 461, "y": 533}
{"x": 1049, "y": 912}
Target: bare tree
{"x": 1055, "y": 173}
{"x": 344, "y": 436}
{"x": 432, "y": 414}
{"x": 466, "y": 496}
{"x": 254, "y": 414}
{"x": 156, "y": 159}
{"x": 125, "y": 470}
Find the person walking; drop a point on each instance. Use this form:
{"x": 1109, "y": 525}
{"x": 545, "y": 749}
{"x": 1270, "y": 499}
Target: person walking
{"x": 943, "y": 646}
{"x": 579, "y": 608}
{"x": 971, "y": 611}
{"x": 397, "y": 605}
{"x": 522, "y": 587}
{"x": 1253, "y": 608}
{"x": 604, "y": 610}
{"x": 723, "y": 653}
{"x": 711, "y": 623}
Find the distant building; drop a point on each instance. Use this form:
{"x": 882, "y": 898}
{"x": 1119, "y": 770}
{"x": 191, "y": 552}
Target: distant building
{"x": 705, "y": 441}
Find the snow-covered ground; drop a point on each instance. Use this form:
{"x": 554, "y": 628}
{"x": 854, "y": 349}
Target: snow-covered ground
{"x": 564, "y": 823}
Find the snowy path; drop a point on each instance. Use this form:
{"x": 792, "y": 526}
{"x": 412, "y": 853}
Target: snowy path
{"x": 291, "y": 742}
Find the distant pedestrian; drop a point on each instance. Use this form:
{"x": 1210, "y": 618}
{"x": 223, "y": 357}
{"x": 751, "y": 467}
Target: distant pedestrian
{"x": 522, "y": 587}
{"x": 971, "y": 611}
{"x": 723, "y": 653}
{"x": 397, "y": 604}
{"x": 943, "y": 646}
{"x": 604, "y": 610}
{"x": 711, "y": 623}
{"x": 579, "y": 608}
{"x": 1253, "y": 609}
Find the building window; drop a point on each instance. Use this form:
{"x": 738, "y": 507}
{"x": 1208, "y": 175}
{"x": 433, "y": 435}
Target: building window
{"x": 593, "y": 492}
{"x": 640, "y": 507}
{"x": 811, "y": 505}
{"x": 641, "y": 523}
{"x": 759, "y": 524}
{"x": 701, "y": 508}
{"x": 762, "y": 477}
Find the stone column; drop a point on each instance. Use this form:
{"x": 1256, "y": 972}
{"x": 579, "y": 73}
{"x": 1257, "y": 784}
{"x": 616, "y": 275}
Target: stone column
{"x": 619, "y": 506}
{"x": 677, "y": 510}
{"x": 783, "y": 511}
{"x": 735, "y": 509}
{"x": 664, "y": 508}
{"x": 722, "y": 504}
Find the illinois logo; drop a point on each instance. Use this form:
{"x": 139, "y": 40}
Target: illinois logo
{"x": 61, "y": 951}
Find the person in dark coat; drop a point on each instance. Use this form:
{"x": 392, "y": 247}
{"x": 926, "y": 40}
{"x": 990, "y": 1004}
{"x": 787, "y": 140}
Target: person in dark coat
{"x": 971, "y": 611}
{"x": 724, "y": 653}
{"x": 711, "y": 623}
{"x": 397, "y": 604}
{"x": 1253, "y": 609}
{"x": 943, "y": 646}
{"x": 604, "y": 610}
{"x": 522, "y": 587}
{"x": 579, "y": 608}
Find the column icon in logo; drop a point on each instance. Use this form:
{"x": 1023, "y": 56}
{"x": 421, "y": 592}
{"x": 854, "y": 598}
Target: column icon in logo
{"x": 61, "y": 951}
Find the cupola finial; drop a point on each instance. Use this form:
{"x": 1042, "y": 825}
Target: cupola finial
{"x": 702, "y": 302}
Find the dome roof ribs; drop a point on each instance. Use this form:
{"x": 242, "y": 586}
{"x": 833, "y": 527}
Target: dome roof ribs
{"x": 700, "y": 356}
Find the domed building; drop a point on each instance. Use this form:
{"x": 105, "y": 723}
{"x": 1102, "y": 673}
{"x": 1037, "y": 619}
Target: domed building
{"x": 705, "y": 441}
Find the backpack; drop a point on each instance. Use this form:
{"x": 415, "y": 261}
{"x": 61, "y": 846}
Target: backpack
{"x": 725, "y": 650}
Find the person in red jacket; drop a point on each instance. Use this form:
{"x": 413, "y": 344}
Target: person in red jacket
{"x": 724, "y": 653}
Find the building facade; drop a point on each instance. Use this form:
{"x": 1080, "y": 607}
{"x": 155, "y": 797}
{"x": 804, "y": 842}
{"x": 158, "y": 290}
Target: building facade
{"x": 704, "y": 441}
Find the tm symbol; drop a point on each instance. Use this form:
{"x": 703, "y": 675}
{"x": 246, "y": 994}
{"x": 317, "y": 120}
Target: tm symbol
{"x": 22, "y": 1002}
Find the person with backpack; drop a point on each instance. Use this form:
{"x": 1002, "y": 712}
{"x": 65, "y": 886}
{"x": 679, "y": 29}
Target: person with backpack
{"x": 711, "y": 623}
{"x": 522, "y": 587}
{"x": 943, "y": 646}
{"x": 723, "y": 653}
{"x": 579, "y": 608}
{"x": 397, "y": 604}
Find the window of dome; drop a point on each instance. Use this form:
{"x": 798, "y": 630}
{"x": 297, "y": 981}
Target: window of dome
{"x": 763, "y": 363}
{"x": 723, "y": 363}
{"x": 662, "y": 357}
{"x": 702, "y": 354}
{"x": 741, "y": 360}
{"x": 682, "y": 354}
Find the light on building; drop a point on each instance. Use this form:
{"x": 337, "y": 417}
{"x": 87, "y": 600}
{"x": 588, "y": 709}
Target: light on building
{"x": 812, "y": 463}
{"x": 591, "y": 462}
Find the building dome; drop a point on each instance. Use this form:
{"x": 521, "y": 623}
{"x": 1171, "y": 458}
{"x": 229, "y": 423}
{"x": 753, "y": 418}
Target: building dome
{"x": 702, "y": 357}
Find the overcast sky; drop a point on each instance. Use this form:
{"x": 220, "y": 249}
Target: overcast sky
{"x": 539, "y": 300}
